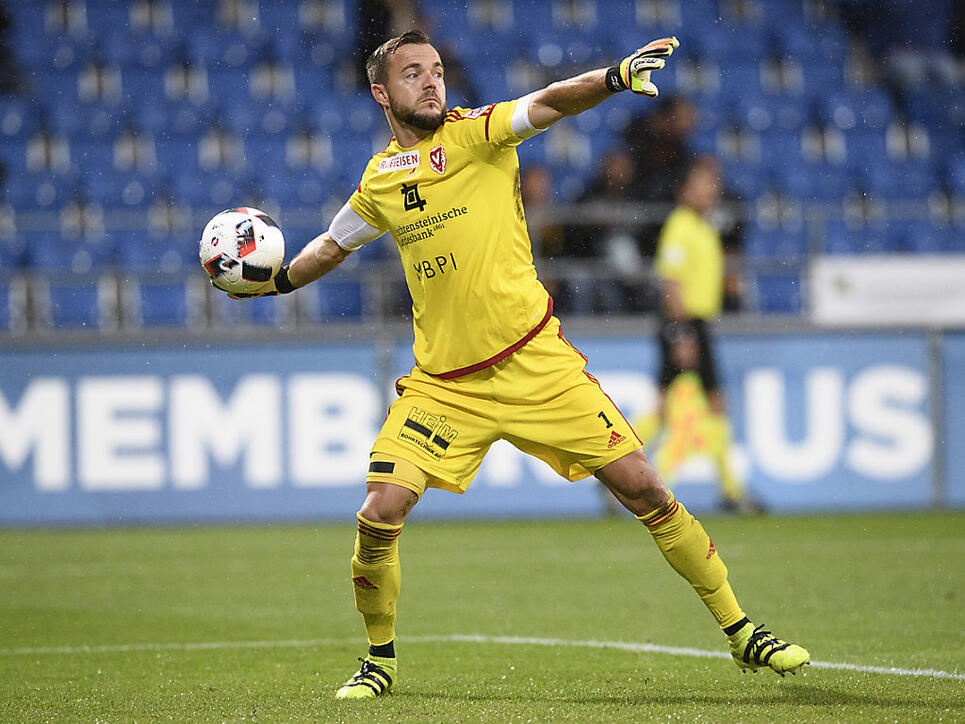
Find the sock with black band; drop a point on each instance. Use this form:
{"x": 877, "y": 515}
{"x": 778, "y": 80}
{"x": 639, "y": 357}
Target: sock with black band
{"x": 377, "y": 578}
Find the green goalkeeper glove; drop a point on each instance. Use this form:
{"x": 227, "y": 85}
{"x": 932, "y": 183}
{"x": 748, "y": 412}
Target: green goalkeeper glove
{"x": 634, "y": 72}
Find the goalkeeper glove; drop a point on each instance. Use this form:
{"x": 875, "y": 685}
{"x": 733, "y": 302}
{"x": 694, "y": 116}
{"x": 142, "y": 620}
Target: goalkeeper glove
{"x": 279, "y": 284}
{"x": 634, "y": 72}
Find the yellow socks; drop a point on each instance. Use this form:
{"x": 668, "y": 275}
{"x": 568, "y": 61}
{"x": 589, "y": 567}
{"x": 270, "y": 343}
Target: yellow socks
{"x": 377, "y": 578}
{"x": 690, "y": 551}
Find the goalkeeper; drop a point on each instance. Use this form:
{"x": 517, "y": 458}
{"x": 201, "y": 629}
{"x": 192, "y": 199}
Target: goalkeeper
{"x": 491, "y": 361}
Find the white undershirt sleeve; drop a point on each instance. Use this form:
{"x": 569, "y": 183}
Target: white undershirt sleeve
{"x": 520, "y": 123}
{"x": 350, "y": 231}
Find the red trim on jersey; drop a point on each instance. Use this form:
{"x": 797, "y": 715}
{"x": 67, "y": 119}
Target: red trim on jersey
{"x": 505, "y": 353}
{"x": 488, "y": 113}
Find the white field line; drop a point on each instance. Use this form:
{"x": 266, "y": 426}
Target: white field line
{"x": 499, "y": 640}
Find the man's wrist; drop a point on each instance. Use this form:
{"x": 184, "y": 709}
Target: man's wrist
{"x": 282, "y": 283}
{"x": 614, "y": 81}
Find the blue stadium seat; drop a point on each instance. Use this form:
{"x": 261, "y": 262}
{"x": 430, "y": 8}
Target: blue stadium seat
{"x": 721, "y": 42}
{"x": 57, "y": 87}
{"x": 53, "y": 251}
{"x": 819, "y": 181}
{"x": 131, "y": 189}
{"x": 953, "y": 236}
{"x": 335, "y": 300}
{"x": 178, "y": 155}
{"x": 825, "y": 44}
{"x": 278, "y": 18}
{"x": 918, "y": 236}
{"x": 267, "y": 153}
{"x": 262, "y": 312}
{"x": 43, "y": 190}
{"x": 19, "y": 120}
{"x": 306, "y": 186}
{"x": 894, "y": 180}
{"x": 781, "y": 147}
{"x": 75, "y": 303}
{"x": 778, "y": 242}
{"x": 955, "y": 174}
{"x": 841, "y": 237}
{"x": 93, "y": 156}
{"x": 747, "y": 179}
{"x": 311, "y": 80}
{"x": 227, "y": 55}
{"x": 12, "y": 303}
{"x": 140, "y": 250}
{"x": 143, "y": 85}
{"x": 865, "y": 147}
{"x": 87, "y": 121}
{"x": 13, "y": 251}
{"x": 856, "y": 110}
{"x": 160, "y": 302}
{"x": 246, "y": 116}
{"x": 778, "y": 293}
{"x": 13, "y": 159}
{"x": 105, "y": 16}
{"x": 211, "y": 190}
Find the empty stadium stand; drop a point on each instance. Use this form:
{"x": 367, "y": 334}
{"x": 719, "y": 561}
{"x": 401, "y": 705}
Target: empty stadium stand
{"x": 138, "y": 119}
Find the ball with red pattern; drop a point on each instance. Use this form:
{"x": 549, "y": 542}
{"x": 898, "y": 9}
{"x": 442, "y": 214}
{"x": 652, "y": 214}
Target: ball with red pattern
{"x": 241, "y": 250}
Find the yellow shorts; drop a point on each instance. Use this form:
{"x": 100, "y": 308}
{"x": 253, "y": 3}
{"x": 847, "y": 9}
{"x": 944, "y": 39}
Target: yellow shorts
{"x": 540, "y": 398}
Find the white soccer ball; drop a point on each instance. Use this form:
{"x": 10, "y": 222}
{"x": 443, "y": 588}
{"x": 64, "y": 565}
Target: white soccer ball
{"x": 241, "y": 250}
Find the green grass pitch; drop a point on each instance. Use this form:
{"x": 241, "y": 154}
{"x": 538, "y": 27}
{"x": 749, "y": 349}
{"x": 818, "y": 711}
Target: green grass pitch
{"x": 258, "y": 623}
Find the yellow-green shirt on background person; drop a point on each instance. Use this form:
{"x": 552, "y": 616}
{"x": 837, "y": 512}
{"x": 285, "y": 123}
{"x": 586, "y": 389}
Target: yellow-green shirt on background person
{"x": 690, "y": 252}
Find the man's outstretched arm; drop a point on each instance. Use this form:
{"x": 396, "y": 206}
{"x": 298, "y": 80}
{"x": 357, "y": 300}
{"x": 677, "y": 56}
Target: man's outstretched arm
{"x": 326, "y": 251}
{"x": 316, "y": 259}
{"x": 575, "y": 95}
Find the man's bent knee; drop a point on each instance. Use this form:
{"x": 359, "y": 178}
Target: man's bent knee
{"x": 387, "y": 503}
{"x": 634, "y": 483}
{"x": 394, "y": 486}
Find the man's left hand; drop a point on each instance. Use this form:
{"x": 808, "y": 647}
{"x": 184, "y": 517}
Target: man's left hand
{"x": 634, "y": 71}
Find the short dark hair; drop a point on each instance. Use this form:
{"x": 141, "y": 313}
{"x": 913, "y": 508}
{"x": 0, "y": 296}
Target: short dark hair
{"x": 377, "y": 65}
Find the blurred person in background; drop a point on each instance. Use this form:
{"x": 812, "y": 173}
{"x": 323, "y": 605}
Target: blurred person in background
{"x": 659, "y": 143}
{"x": 616, "y": 243}
{"x": 913, "y": 54}
{"x": 690, "y": 265}
{"x": 10, "y": 77}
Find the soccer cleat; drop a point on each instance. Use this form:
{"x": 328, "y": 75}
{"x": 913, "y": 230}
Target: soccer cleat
{"x": 753, "y": 647}
{"x": 373, "y": 679}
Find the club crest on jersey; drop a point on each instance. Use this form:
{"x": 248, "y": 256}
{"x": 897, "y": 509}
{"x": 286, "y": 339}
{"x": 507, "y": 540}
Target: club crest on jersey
{"x": 437, "y": 160}
{"x": 400, "y": 162}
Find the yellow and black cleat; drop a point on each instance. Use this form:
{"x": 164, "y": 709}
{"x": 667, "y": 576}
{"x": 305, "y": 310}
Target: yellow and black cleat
{"x": 754, "y": 647}
{"x": 375, "y": 678}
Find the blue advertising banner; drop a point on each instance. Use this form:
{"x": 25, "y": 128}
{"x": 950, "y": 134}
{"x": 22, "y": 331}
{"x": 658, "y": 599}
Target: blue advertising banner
{"x": 954, "y": 385}
{"x": 823, "y": 421}
{"x": 154, "y": 434}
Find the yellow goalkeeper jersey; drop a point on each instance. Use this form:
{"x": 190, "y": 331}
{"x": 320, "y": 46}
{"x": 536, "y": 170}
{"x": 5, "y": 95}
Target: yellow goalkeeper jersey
{"x": 689, "y": 251}
{"x": 452, "y": 203}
